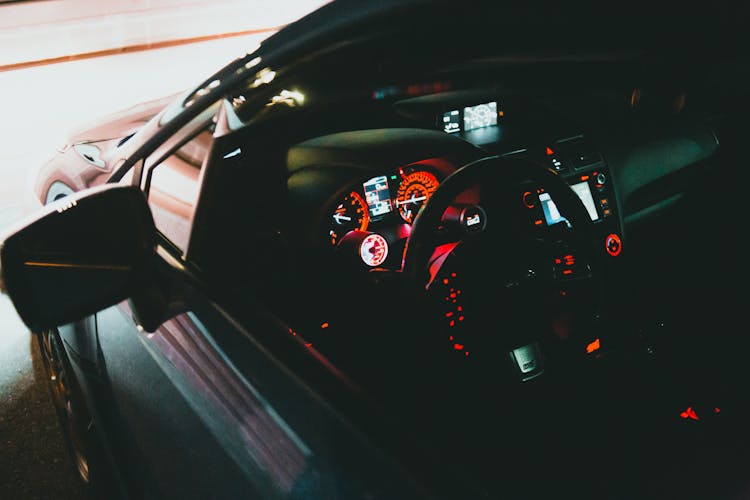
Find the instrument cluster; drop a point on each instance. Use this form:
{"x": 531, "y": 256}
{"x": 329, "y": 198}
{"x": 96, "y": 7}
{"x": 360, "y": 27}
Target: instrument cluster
{"x": 375, "y": 216}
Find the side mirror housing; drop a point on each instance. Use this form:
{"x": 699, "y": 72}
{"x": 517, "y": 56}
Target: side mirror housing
{"x": 84, "y": 253}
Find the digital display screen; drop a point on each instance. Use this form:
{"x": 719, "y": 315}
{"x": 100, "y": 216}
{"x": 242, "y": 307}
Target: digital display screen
{"x": 551, "y": 213}
{"x": 583, "y": 191}
{"x": 378, "y": 196}
{"x": 480, "y": 116}
{"x": 451, "y": 121}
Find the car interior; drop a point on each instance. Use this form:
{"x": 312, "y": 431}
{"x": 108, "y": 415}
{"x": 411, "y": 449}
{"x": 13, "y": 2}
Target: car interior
{"x": 527, "y": 262}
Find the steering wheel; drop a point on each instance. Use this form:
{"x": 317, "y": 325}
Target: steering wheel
{"x": 509, "y": 287}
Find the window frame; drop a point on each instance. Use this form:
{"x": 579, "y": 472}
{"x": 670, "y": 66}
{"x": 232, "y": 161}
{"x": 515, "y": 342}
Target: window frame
{"x": 146, "y": 166}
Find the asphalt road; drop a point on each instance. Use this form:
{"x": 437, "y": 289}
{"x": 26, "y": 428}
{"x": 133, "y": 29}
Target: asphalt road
{"x": 34, "y": 462}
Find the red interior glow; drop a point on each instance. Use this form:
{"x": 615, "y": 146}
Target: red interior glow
{"x": 689, "y": 413}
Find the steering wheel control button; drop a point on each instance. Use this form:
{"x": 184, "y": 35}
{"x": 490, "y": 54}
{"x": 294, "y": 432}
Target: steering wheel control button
{"x": 613, "y": 244}
{"x": 473, "y": 219}
{"x": 527, "y": 361}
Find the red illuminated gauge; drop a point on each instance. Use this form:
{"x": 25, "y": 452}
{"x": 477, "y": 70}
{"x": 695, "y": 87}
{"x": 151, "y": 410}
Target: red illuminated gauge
{"x": 349, "y": 215}
{"x": 373, "y": 250}
{"x": 415, "y": 189}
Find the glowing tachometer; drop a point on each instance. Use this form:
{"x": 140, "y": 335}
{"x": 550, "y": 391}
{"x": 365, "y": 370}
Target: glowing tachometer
{"x": 349, "y": 215}
{"x": 415, "y": 189}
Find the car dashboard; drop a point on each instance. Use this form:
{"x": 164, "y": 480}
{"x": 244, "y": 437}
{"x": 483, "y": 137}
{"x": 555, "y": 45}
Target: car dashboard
{"x": 497, "y": 251}
{"x": 376, "y": 180}
{"x": 543, "y": 297}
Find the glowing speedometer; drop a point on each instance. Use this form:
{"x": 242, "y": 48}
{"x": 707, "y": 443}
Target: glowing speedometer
{"x": 415, "y": 189}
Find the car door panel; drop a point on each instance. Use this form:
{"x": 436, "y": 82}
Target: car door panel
{"x": 203, "y": 404}
{"x": 155, "y": 423}
{"x": 80, "y": 340}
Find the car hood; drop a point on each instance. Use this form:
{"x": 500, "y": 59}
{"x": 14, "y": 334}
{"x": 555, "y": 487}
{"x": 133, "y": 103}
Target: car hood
{"x": 119, "y": 123}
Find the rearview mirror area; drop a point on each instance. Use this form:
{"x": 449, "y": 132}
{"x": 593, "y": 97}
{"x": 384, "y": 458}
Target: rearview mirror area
{"x": 83, "y": 253}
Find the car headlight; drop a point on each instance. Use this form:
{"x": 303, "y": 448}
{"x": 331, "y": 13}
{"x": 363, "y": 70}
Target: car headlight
{"x": 90, "y": 153}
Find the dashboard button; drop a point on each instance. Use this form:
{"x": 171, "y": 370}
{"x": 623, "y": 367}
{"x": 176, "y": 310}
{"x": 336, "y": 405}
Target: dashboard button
{"x": 528, "y": 361}
{"x": 557, "y": 164}
{"x": 613, "y": 244}
{"x": 473, "y": 219}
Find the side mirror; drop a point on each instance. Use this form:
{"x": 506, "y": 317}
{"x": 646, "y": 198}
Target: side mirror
{"x": 84, "y": 253}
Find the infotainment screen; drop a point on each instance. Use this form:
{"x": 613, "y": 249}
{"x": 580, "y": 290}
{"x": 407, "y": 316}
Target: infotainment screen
{"x": 552, "y": 214}
{"x": 481, "y": 115}
{"x": 583, "y": 190}
{"x": 451, "y": 121}
{"x": 472, "y": 117}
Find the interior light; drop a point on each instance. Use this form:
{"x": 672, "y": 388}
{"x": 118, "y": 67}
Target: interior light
{"x": 252, "y": 62}
{"x": 593, "y": 346}
{"x": 263, "y": 76}
{"x": 291, "y": 98}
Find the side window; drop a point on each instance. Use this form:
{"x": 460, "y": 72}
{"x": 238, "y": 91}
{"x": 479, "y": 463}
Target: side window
{"x": 173, "y": 186}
